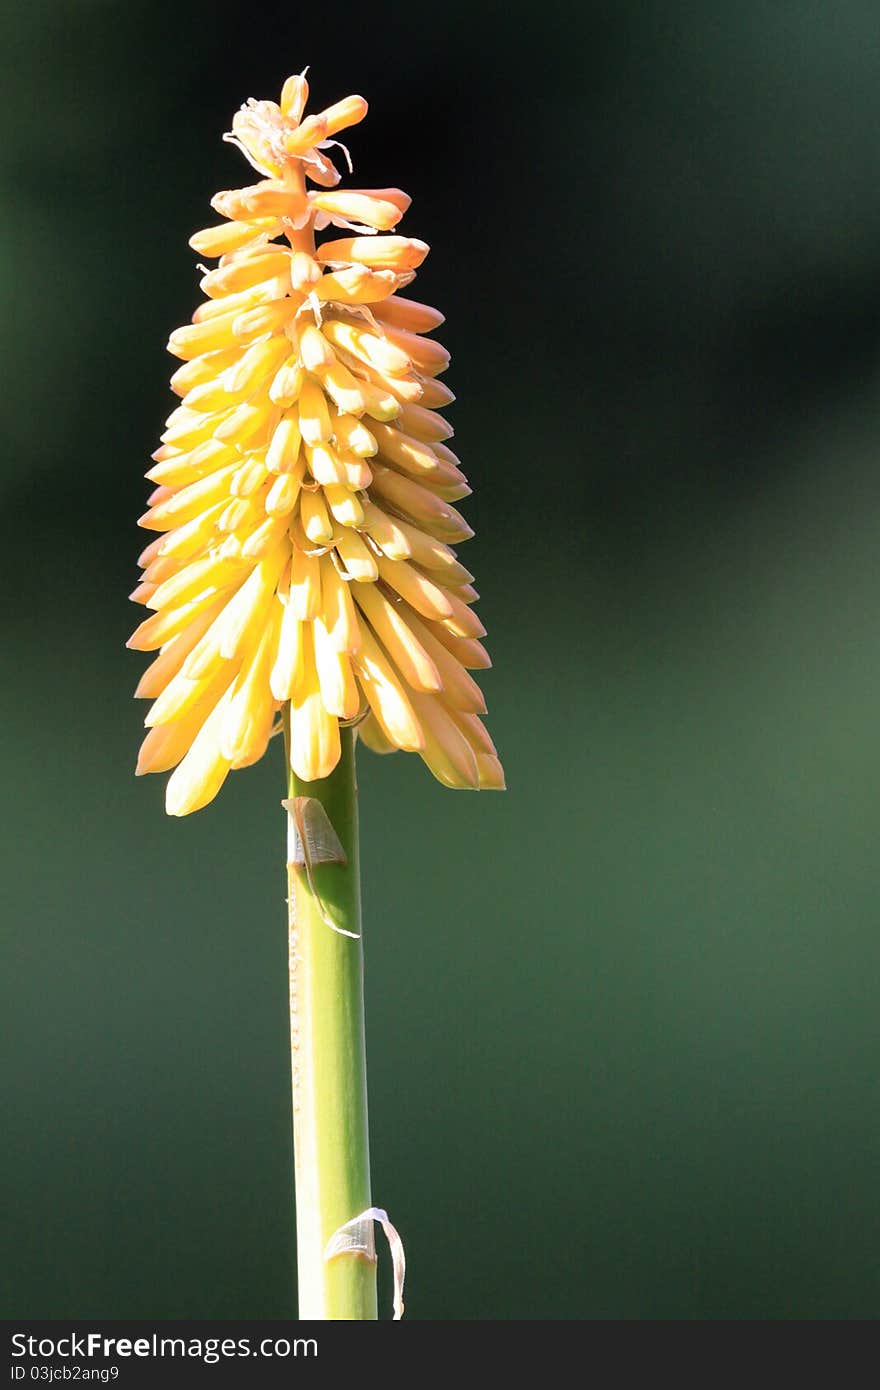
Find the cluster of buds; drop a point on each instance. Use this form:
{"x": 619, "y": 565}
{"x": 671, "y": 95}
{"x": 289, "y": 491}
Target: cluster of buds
{"x": 304, "y": 490}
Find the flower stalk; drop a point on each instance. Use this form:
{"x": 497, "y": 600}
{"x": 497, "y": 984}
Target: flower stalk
{"x": 328, "y": 1063}
{"x": 303, "y": 574}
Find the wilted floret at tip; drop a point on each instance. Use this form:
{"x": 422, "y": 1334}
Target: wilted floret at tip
{"x": 303, "y": 499}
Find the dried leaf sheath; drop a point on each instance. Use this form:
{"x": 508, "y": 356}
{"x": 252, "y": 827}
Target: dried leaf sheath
{"x": 304, "y": 493}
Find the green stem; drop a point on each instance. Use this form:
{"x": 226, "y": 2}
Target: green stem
{"x": 331, "y": 1138}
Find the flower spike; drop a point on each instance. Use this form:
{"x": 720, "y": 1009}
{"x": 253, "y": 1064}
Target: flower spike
{"x": 303, "y": 491}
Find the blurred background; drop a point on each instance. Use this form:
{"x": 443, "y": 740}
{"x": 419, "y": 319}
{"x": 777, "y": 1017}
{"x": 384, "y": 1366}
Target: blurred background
{"x": 622, "y": 1022}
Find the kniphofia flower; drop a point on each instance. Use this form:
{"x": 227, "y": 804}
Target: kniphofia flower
{"x": 304, "y": 491}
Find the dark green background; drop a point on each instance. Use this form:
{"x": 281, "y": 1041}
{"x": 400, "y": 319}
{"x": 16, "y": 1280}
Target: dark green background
{"x": 622, "y": 1021}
